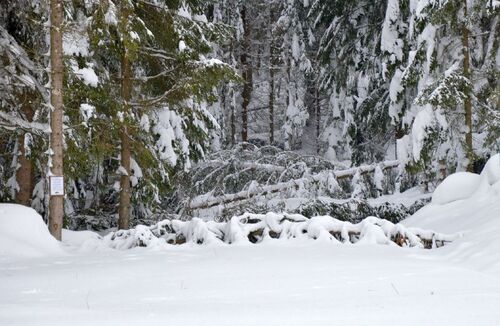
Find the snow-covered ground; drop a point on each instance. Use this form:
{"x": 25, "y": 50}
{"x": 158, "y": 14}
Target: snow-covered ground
{"x": 281, "y": 282}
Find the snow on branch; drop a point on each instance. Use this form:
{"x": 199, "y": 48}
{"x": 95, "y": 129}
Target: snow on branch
{"x": 18, "y": 57}
{"x": 257, "y": 228}
{"x": 9, "y": 121}
{"x": 207, "y": 201}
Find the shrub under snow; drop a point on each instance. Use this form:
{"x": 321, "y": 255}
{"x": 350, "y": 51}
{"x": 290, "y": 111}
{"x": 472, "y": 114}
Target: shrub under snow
{"x": 256, "y": 228}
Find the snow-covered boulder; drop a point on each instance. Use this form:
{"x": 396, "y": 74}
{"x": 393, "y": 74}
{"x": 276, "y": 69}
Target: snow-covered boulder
{"x": 24, "y": 234}
{"x": 460, "y": 185}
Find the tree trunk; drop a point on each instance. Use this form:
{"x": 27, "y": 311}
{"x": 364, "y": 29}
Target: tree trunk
{"x": 271, "y": 106}
{"x": 318, "y": 117}
{"x": 24, "y": 174}
{"x": 272, "y": 63}
{"x": 468, "y": 102}
{"x": 56, "y": 203}
{"x": 124, "y": 208}
{"x": 233, "y": 118}
{"x": 247, "y": 76}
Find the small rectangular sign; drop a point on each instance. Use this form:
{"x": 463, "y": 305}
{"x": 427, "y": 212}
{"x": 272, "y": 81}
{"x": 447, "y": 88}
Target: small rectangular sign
{"x": 56, "y": 186}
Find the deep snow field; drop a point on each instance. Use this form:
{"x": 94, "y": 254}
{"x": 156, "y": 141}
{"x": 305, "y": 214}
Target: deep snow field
{"x": 279, "y": 282}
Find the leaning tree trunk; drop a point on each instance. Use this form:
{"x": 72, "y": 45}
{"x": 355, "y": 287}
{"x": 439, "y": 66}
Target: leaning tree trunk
{"x": 24, "y": 174}
{"x": 124, "y": 208}
{"x": 56, "y": 203}
{"x": 467, "y": 103}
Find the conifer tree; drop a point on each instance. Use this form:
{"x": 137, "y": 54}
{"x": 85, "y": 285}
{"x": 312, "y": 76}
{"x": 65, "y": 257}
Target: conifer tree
{"x": 166, "y": 81}
{"x": 446, "y": 74}
{"x": 21, "y": 96}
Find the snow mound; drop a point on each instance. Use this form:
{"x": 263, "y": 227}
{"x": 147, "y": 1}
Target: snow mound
{"x": 457, "y": 186}
{"x": 78, "y": 238}
{"x": 477, "y": 217}
{"x": 24, "y": 234}
{"x": 491, "y": 171}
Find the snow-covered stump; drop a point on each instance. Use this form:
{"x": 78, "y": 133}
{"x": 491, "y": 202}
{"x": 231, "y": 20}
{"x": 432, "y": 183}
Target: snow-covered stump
{"x": 256, "y": 228}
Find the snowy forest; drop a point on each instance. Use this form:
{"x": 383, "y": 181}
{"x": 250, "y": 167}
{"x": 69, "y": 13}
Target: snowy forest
{"x": 135, "y": 124}
{"x": 166, "y": 101}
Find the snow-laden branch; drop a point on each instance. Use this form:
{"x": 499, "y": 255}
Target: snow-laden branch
{"x": 207, "y": 200}
{"x": 11, "y": 122}
{"x": 27, "y": 68}
{"x": 255, "y": 228}
{"x": 251, "y": 165}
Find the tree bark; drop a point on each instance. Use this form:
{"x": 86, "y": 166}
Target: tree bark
{"x": 124, "y": 208}
{"x": 247, "y": 76}
{"x": 271, "y": 106}
{"x": 272, "y": 63}
{"x": 233, "y": 118}
{"x": 467, "y": 102}
{"x": 24, "y": 174}
{"x": 318, "y": 117}
{"x": 56, "y": 203}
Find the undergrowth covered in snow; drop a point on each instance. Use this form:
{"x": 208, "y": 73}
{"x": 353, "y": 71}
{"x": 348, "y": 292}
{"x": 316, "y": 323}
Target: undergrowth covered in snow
{"x": 257, "y": 228}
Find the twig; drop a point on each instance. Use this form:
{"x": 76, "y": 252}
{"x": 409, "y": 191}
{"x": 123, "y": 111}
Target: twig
{"x": 395, "y": 290}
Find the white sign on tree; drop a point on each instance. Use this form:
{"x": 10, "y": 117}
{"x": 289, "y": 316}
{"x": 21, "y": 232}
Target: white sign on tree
{"x": 57, "y": 186}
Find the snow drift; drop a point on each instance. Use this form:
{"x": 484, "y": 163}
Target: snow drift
{"x": 469, "y": 204}
{"x": 23, "y": 233}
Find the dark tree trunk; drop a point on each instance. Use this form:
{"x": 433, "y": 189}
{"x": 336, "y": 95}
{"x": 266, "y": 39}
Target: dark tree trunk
{"x": 272, "y": 64}
{"x": 318, "y": 117}
{"x": 467, "y": 102}
{"x": 124, "y": 208}
{"x": 247, "y": 76}
{"x": 233, "y": 119}
{"x": 271, "y": 106}
{"x": 24, "y": 174}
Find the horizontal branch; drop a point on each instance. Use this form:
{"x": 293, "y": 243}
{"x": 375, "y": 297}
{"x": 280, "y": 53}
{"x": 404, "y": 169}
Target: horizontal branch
{"x": 11, "y": 122}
